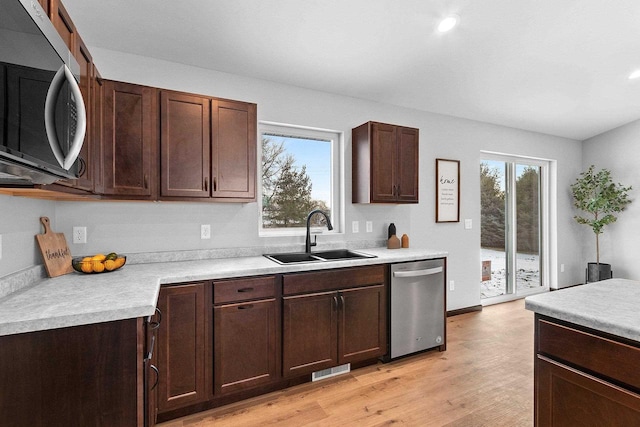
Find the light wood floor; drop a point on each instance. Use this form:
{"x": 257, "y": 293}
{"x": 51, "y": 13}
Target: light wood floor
{"x": 485, "y": 378}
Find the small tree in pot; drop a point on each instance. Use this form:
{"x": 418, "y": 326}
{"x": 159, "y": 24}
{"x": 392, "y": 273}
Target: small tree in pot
{"x": 596, "y": 194}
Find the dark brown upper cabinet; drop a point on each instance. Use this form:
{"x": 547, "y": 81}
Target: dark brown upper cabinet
{"x": 208, "y": 148}
{"x": 384, "y": 163}
{"x": 129, "y": 140}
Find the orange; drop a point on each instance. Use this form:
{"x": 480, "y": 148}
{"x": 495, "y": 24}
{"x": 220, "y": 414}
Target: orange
{"x": 98, "y": 257}
{"x": 119, "y": 262}
{"x": 97, "y": 266}
{"x": 110, "y": 265}
{"x": 86, "y": 267}
{"x": 87, "y": 259}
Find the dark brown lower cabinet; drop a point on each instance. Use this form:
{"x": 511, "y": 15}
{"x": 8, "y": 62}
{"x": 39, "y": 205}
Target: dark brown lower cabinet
{"x": 246, "y": 333}
{"x": 585, "y": 378}
{"x": 183, "y": 345}
{"x": 90, "y": 375}
{"x": 326, "y": 328}
{"x": 245, "y": 345}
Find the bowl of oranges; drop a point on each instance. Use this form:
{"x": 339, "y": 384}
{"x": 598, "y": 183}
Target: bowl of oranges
{"x": 98, "y": 263}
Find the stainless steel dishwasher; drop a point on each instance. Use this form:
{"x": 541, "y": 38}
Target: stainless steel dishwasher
{"x": 417, "y": 306}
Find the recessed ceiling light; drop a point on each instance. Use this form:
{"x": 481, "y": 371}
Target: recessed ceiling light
{"x": 634, "y": 75}
{"x": 448, "y": 23}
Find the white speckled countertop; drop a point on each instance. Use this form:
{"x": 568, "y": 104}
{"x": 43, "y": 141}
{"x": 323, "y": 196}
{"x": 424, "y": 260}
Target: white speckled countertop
{"x": 611, "y": 306}
{"x": 78, "y": 299}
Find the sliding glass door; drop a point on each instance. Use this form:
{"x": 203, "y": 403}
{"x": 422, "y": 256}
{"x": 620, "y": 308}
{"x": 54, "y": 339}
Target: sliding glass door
{"x": 512, "y": 226}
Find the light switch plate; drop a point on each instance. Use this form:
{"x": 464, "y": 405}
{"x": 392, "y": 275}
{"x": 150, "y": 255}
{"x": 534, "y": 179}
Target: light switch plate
{"x": 468, "y": 224}
{"x": 369, "y": 225}
{"x": 355, "y": 226}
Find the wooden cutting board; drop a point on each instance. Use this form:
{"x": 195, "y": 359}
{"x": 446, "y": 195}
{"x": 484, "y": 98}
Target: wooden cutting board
{"x": 54, "y": 250}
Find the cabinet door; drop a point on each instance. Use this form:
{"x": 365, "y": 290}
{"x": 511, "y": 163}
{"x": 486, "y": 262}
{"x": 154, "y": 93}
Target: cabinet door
{"x": 86, "y": 157}
{"x": 185, "y": 145}
{"x": 182, "y": 346}
{"x": 362, "y": 332}
{"x": 407, "y": 184}
{"x": 568, "y": 397}
{"x": 383, "y": 162}
{"x": 97, "y": 105}
{"x": 89, "y": 375}
{"x": 62, "y": 23}
{"x": 245, "y": 345}
{"x": 129, "y": 140}
{"x": 309, "y": 341}
{"x": 234, "y": 150}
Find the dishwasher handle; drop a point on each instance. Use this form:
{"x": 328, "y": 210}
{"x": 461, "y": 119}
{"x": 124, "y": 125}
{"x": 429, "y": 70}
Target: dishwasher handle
{"x": 417, "y": 273}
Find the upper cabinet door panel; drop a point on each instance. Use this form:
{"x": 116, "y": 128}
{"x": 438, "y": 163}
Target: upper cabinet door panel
{"x": 87, "y": 169}
{"x": 185, "y": 145}
{"x": 234, "y": 149}
{"x": 129, "y": 144}
{"x": 383, "y": 162}
{"x": 62, "y": 23}
{"x": 407, "y": 190}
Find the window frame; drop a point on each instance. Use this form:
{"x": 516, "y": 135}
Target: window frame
{"x": 337, "y": 175}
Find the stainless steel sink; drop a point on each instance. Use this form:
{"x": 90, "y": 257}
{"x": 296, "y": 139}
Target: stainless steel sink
{"x": 321, "y": 256}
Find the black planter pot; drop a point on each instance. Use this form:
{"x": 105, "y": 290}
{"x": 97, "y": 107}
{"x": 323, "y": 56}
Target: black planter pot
{"x": 596, "y": 272}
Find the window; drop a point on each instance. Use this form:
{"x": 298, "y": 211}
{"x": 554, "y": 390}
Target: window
{"x": 301, "y": 170}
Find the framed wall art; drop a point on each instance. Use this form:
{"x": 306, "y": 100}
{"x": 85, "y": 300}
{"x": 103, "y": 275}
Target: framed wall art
{"x": 447, "y": 190}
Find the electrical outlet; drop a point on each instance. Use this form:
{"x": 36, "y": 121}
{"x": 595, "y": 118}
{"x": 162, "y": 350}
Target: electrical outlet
{"x": 452, "y": 285}
{"x": 205, "y": 231}
{"x": 369, "y": 225}
{"x": 79, "y": 235}
{"x": 468, "y": 224}
{"x": 355, "y": 226}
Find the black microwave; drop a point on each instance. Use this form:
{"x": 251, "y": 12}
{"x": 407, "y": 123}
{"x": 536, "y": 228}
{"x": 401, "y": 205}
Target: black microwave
{"x": 42, "y": 114}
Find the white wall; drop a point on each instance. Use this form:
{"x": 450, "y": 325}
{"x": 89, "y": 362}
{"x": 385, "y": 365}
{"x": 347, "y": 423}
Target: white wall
{"x": 619, "y": 151}
{"x": 19, "y": 223}
{"x": 142, "y": 227}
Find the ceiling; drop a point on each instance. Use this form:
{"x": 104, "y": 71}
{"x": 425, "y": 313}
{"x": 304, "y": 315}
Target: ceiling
{"x": 559, "y": 67}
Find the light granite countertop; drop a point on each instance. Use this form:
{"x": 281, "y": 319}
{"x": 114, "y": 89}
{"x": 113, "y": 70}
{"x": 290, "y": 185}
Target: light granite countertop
{"x": 79, "y": 299}
{"x": 611, "y": 306}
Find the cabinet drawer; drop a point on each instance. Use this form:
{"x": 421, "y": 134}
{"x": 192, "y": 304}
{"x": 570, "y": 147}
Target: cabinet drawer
{"x": 327, "y": 280}
{"x": 608, "y": 358}
{"x": 233, "y": 290}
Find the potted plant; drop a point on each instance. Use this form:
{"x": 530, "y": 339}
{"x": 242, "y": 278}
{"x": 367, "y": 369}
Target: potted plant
{"x": 597, "y": 195}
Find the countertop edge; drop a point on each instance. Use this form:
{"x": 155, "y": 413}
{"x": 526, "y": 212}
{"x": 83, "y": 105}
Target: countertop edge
{"x": 608, "y": 306}
{"x": 133, "y": 291}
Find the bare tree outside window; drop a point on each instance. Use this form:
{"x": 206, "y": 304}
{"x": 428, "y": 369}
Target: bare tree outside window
{"x": 287, "y": 184}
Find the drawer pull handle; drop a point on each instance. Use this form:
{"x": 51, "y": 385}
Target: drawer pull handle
{"x": 245, "y": 290}
{"x": 245, "y": 307}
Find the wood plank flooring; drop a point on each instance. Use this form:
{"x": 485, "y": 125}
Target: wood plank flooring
{"x": 485, "y": 378}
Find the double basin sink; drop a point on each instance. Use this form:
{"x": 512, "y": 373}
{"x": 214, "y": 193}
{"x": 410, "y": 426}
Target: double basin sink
{"x": 320, "y": 256}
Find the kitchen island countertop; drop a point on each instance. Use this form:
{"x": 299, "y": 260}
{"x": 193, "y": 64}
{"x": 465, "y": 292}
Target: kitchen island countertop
{"x": 611, "y": 306}
{"x": 79, "y": 299}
